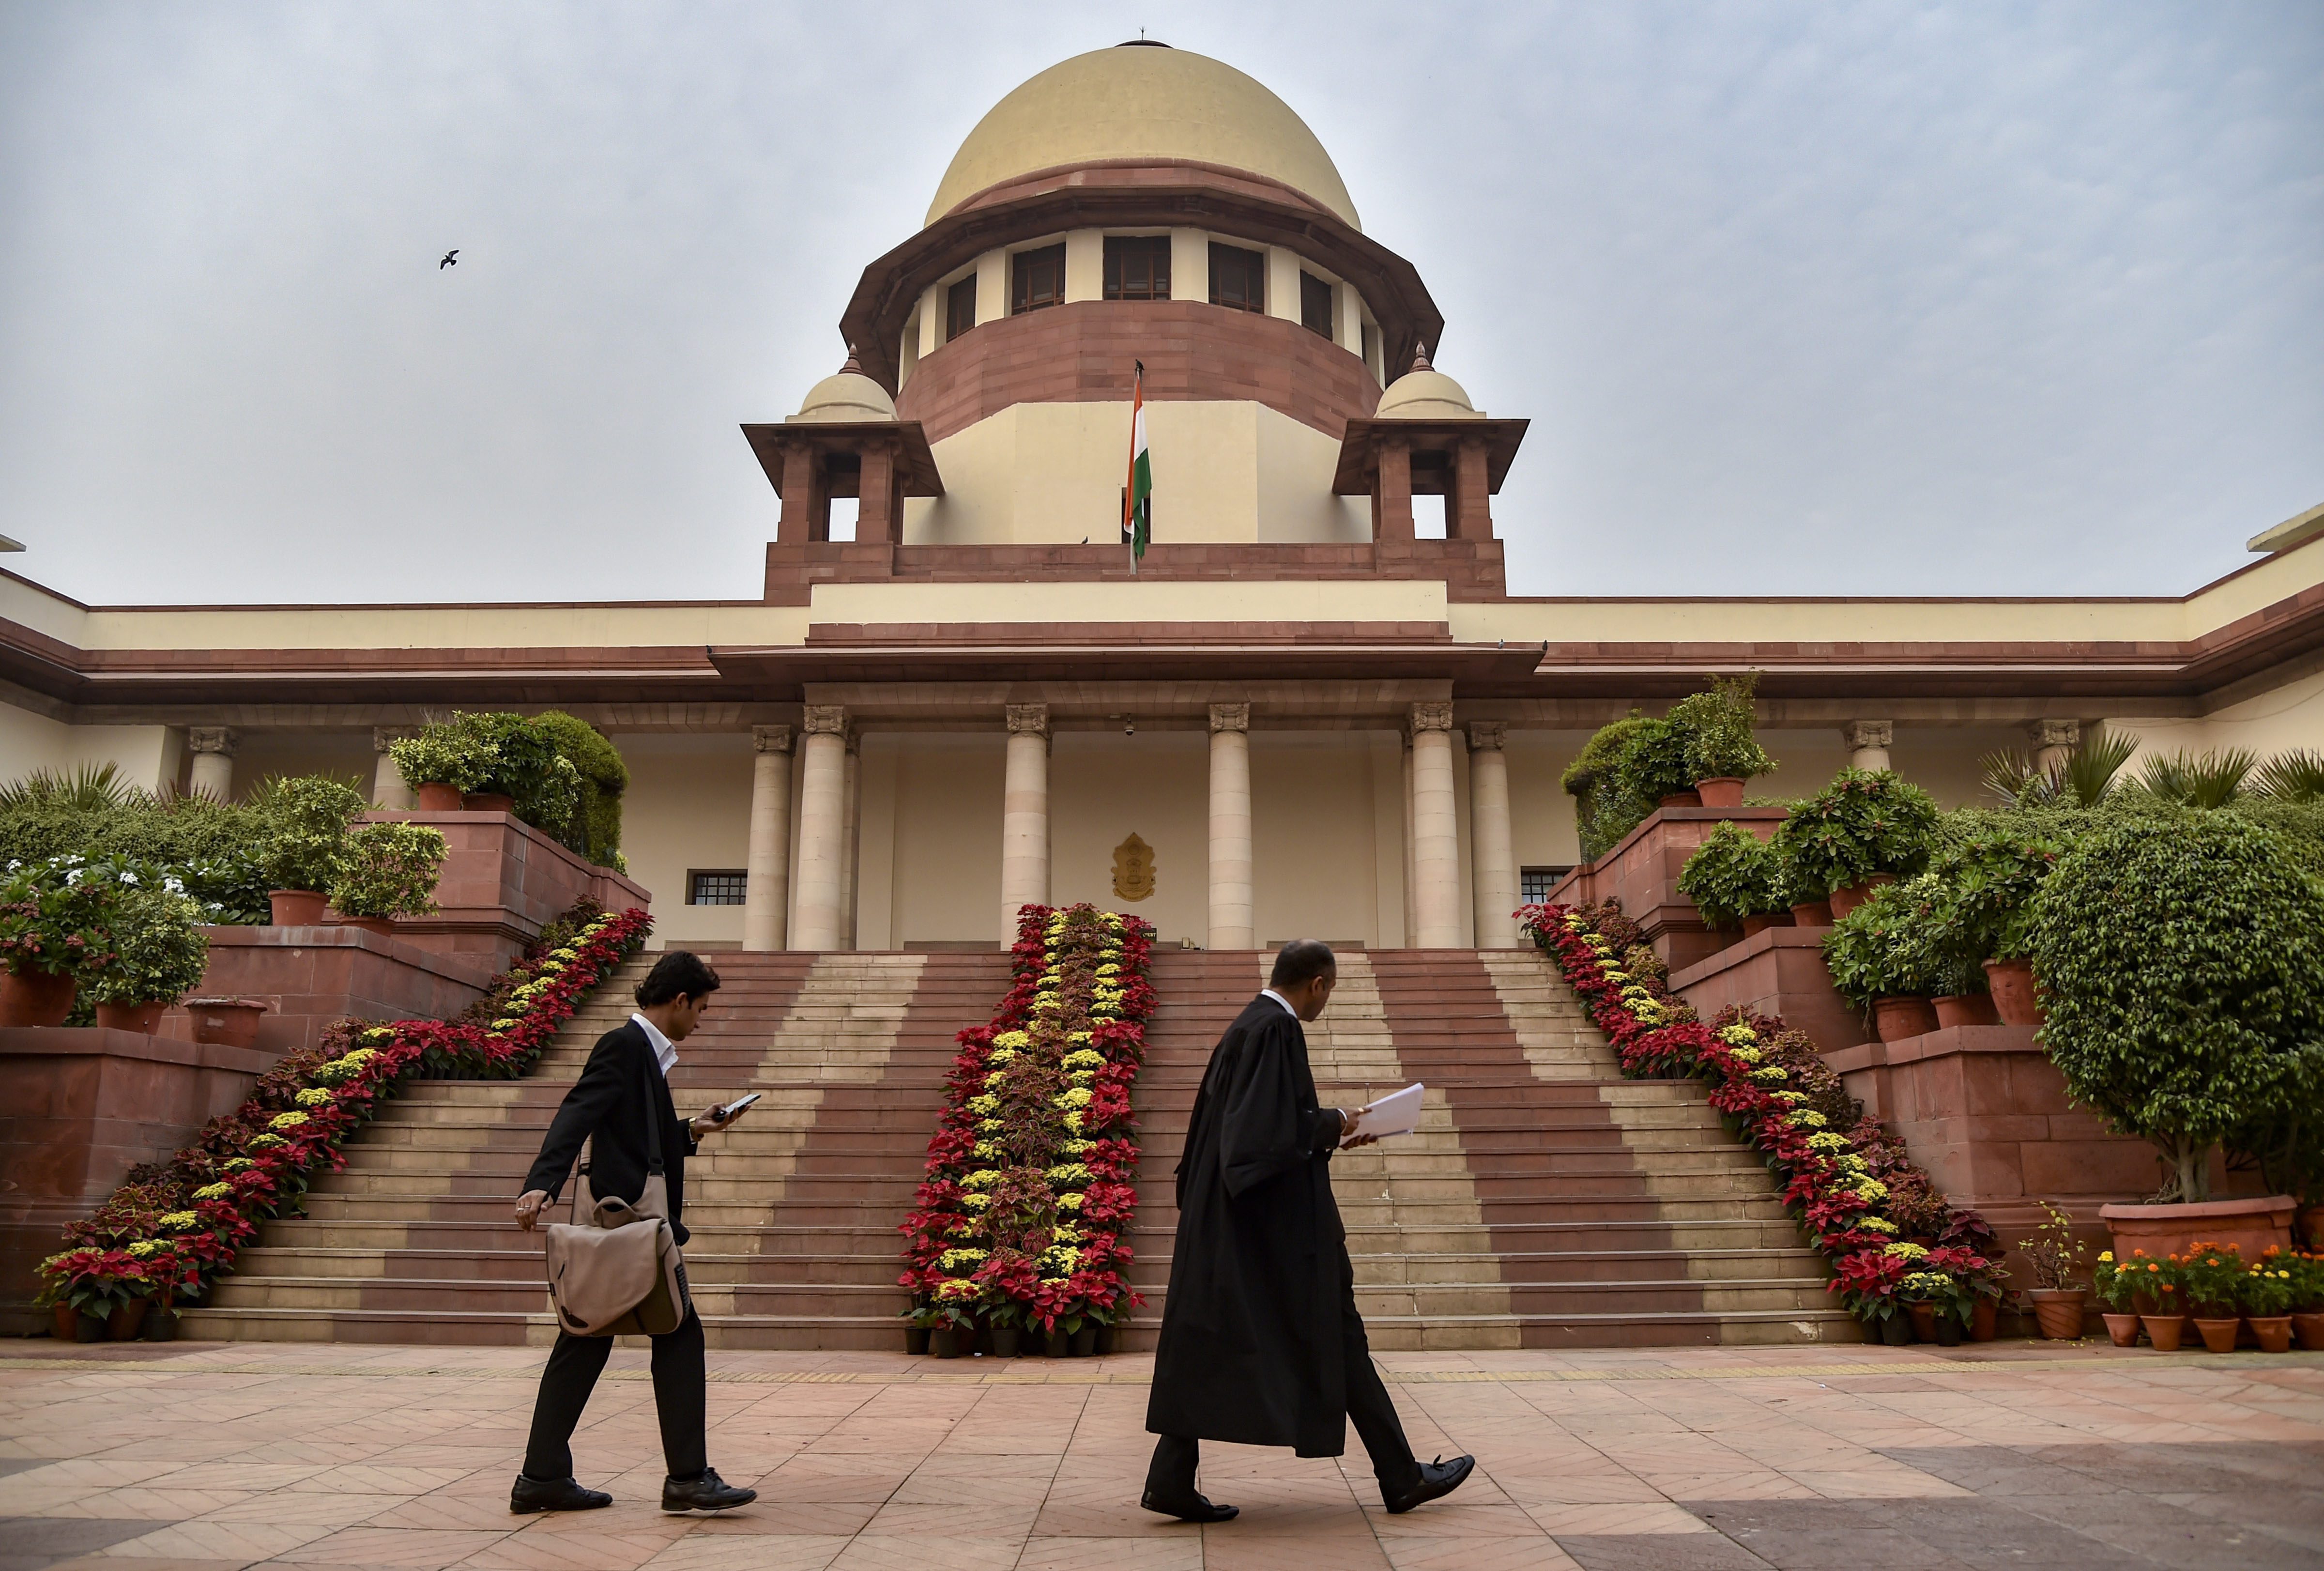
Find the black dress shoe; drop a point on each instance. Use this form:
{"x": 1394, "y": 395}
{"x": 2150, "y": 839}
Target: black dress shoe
{"x": 554, "y": 1494}
{"x": 1193, "y": 1509}
{"x": 708, "y": 1492}
{"x": 1437, "y": 1478}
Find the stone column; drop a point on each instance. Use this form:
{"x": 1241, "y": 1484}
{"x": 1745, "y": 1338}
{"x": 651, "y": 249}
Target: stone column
{"x": 1231, "y": 922}
{"x": 212, "y": 773}
{"x": 1025, "y": 816}
{"x": 389, "y": 789}
{"x": 1469, "y": 510}
{"x": 1494, "y": 870}
{"x": 1866, "y": 742}
{"x": 2053, "y": 742}
{"x": 1411, "y": 912}
{"x": 1435, "y": 830}
{"x": 1392, "y": 491}
{"x": 852, "y": 837}
{"x": 766, "y": 886}
{"x": 823, "y": 828}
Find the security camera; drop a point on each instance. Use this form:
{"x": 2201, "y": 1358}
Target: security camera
{"x": 1129, "y": 728}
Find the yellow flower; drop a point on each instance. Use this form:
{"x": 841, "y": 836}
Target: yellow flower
{"x": 213, "y": 1191}
{"x": 1079, "y": 1097}
{"x": 985, "y": 1103}
{"x": 313, "y": 1096}
{"x": 2107, "y": 1256}
{"x": 287, "y": 1121}
{"x": 144, "y": 1249}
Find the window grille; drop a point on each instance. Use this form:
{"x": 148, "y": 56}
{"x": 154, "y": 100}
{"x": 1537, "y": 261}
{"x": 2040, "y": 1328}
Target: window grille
{"x": 1237, "y": 278}
{"x": 1040, "y": 279}
{"x": 1138, "y": 267}
{"x": 716, "y": 886}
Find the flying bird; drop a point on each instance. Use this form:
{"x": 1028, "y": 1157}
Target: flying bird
{"x": 451, "y": 259}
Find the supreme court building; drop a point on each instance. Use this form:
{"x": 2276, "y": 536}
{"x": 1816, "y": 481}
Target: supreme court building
{"x": 1312, "y": 710}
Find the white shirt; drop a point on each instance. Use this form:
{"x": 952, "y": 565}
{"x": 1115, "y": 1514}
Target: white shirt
{"x": 1271, "y": 993}
{"x": 665, "y": 1055}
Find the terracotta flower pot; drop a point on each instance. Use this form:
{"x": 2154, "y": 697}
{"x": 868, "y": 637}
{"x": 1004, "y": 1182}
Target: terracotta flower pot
{"x": 225, "y": 1022}
{"x": 2013, "y": 998}
{"x": 1844, "y": 901}
{"x": 2274, "y": 1331}
{"x": 36, "y": 998}
{"x": 2164, "y": 1331}
{"x": 2310, "y": 1226}
{"x": 1925, "y": 1321}
{"x": 2310, "y": 1328}
{"x": 127, "y": 1319}
{"x": 145, "y": 1019}
{"x": 1899, "y": 1018}
{"x": 435, "y": 797}
{"x": 488, "y": 802}
{"x": 944, "y": 1341}
{"x": 2250, "y": 1225}
{"x": 1755, "y": 925}
{"x": 2059, "y": 1311}
{"x": 2122, "y": 1330}
{"x": 1720, "y": 792}
{"x": 1813, "y": 913}
{"x": 1984, "y": 1319}
{"x": 1965, "y": 1009}
{"x": 2218, "y": 1336}
{"x": 297, "y": 908}
{"x": 383, "y": 926}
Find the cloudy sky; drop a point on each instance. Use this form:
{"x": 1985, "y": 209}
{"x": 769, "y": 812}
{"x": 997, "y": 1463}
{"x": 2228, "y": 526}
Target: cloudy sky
{"x": 1869, "y": 299}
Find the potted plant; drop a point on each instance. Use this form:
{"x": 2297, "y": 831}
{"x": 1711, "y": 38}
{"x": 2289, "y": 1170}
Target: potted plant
{"x": 2054, "y": 1253}
{"x": 307, "y": 818}
{"x": 2115, "y": 1290}
{"x": 1884, "y": 957}
{"x": 952, "y": 1331}
{"x": 1722, "y": 751}
{"x": 2155, "y": 1294}
{"x": 1605, "y": 808}
{"x": 1652, "y": 767}
{"x": 1734, "y": 880}
{"x": 524, "y": 773}
{"x": 389, "y": 871}
{"x": 1992, "y": 877}
{"x": 1006, "y": 1329}
{"x": 2211, "y": 1275}
{"x": 158, "y": 956}
{"x": 53, "y": 933}
{"x": 2307, "y": 1298}
{"x": 2177, "y": 953}
{"x": 2267, "y": 1296}
{"x": 1868, "y": 826}
{"x": 444, "y": 761}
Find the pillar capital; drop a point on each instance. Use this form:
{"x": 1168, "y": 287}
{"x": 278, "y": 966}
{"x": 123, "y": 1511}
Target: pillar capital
{"x": 1487, "y": 735}
{"x": 221, "y": 740}
{"x": 383, "y": 737}
{"x": 1028, "y": 719}
{"x": 1229, "y": 717}
{"x": 1859, "y": 734}
{"x": 2055, "y": 733}
{"x": 770, "y": 739}
{"x": 825, "y": 720}
{"x": 1434, "y": 715}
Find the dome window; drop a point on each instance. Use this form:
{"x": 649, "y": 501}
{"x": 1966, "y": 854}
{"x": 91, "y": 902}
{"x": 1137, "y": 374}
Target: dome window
{"x": 1315, "y": 304}
{"x": 1039, "y": 280}
{"x": 960, "y": 308}
{"x": 1138, "y": 267}
{"x": 1237, "y": 278}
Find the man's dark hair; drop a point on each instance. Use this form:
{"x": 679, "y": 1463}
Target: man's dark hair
{"x": 680, "y": 974}
{"x": 1301, "y": 960}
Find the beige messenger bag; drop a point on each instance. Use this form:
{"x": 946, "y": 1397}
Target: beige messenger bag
{"x": 618, "y": 1272}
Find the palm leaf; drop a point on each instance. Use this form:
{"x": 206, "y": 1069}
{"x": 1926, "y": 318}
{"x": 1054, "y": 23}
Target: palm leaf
{"x": 91, "y": 787}
{"x": 2088, "y": 771}
{"x": 2007, "y": 774}
{"x": 2193, "y": 780}
{"x": 2297, "y": 776}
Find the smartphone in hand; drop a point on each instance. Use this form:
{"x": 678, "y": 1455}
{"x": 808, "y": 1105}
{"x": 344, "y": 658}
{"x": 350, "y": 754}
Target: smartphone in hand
{"x": 726, "y": 1114}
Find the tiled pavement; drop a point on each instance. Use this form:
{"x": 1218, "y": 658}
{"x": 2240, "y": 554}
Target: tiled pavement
{"x": 227, "y": 1456}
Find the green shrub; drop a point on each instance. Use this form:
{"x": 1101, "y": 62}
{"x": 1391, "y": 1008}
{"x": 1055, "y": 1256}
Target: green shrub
{"x": 1865, "y": 822}
{"x": 1603, "y": 809}
{"x": 498, "y": 755}
{"x": 595, "y": 830}
{"x": 159, "y": 952}
{"x": 1989, "y": 879}
{"x": 446, "y": 752}
{"x": 210, "y": 847}
{"x": 1731, "y": 875}
{"x": 1893, "y": 946}
{"x": 2177, "y": 952}
{"x": 1717, "y": 727}
{"x": 54, "y": 919}
{"x": 305, "y": 820}
{"x": 389, "y": 869}
{"x": 1653, "y": 763}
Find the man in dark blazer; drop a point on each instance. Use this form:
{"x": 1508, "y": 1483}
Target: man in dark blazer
{"x": 626, "y": 1083}
{"x": 1262, "y": 1343}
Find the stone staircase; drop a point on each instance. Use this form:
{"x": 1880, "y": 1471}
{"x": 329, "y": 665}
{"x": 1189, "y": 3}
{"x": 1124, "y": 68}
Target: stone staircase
{"x": 1545, "y": 1202}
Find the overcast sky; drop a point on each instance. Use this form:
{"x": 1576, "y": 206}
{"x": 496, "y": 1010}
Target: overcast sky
{"x": 1875, "y": 298}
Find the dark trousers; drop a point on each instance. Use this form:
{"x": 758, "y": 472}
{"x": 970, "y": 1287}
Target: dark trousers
{"x": 1170, "y": 1476}
{"x": 680, "y": 1401}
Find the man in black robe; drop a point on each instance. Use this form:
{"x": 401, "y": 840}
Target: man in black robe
{"x": 1262, "y": 1343}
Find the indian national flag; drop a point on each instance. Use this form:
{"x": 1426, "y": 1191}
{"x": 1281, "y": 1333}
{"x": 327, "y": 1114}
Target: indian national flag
{"x": 1138, "y": 496}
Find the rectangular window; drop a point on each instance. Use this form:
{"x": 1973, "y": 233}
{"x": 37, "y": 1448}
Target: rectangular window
{"x": 1138, "y": 267}
{"x": 1039, "y": 279}
{"x": 717, "y": 886}
{"x": 1534, "y": 883}
{"x": 1315, "y": 304}
{"x": 960, "y": 308}
{"x": 1237, "y": 278}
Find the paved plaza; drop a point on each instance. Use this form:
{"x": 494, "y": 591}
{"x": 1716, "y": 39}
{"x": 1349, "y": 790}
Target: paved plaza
{"x": 223, "y": 1455}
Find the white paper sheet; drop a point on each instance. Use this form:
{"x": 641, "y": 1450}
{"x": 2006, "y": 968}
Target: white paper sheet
{"x": 1397, "y": 1113}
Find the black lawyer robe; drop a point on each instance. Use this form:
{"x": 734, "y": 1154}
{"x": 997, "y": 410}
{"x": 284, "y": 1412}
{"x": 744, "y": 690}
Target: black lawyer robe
{"x": 1250, "y": 1344}
{"x": 620, "y": 1088}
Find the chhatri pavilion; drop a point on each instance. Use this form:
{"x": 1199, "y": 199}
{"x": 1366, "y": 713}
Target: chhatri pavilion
{"x": 1313, "y": 708}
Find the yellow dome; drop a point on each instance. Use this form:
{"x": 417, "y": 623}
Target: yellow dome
{"x": 1142, "y": 102}
{"x": 846, "y": 397}
{"x": 1425, "y": 393}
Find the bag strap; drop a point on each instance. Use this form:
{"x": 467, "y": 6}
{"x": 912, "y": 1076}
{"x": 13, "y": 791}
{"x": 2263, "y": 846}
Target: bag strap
{"x": 653, "y": 1123}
